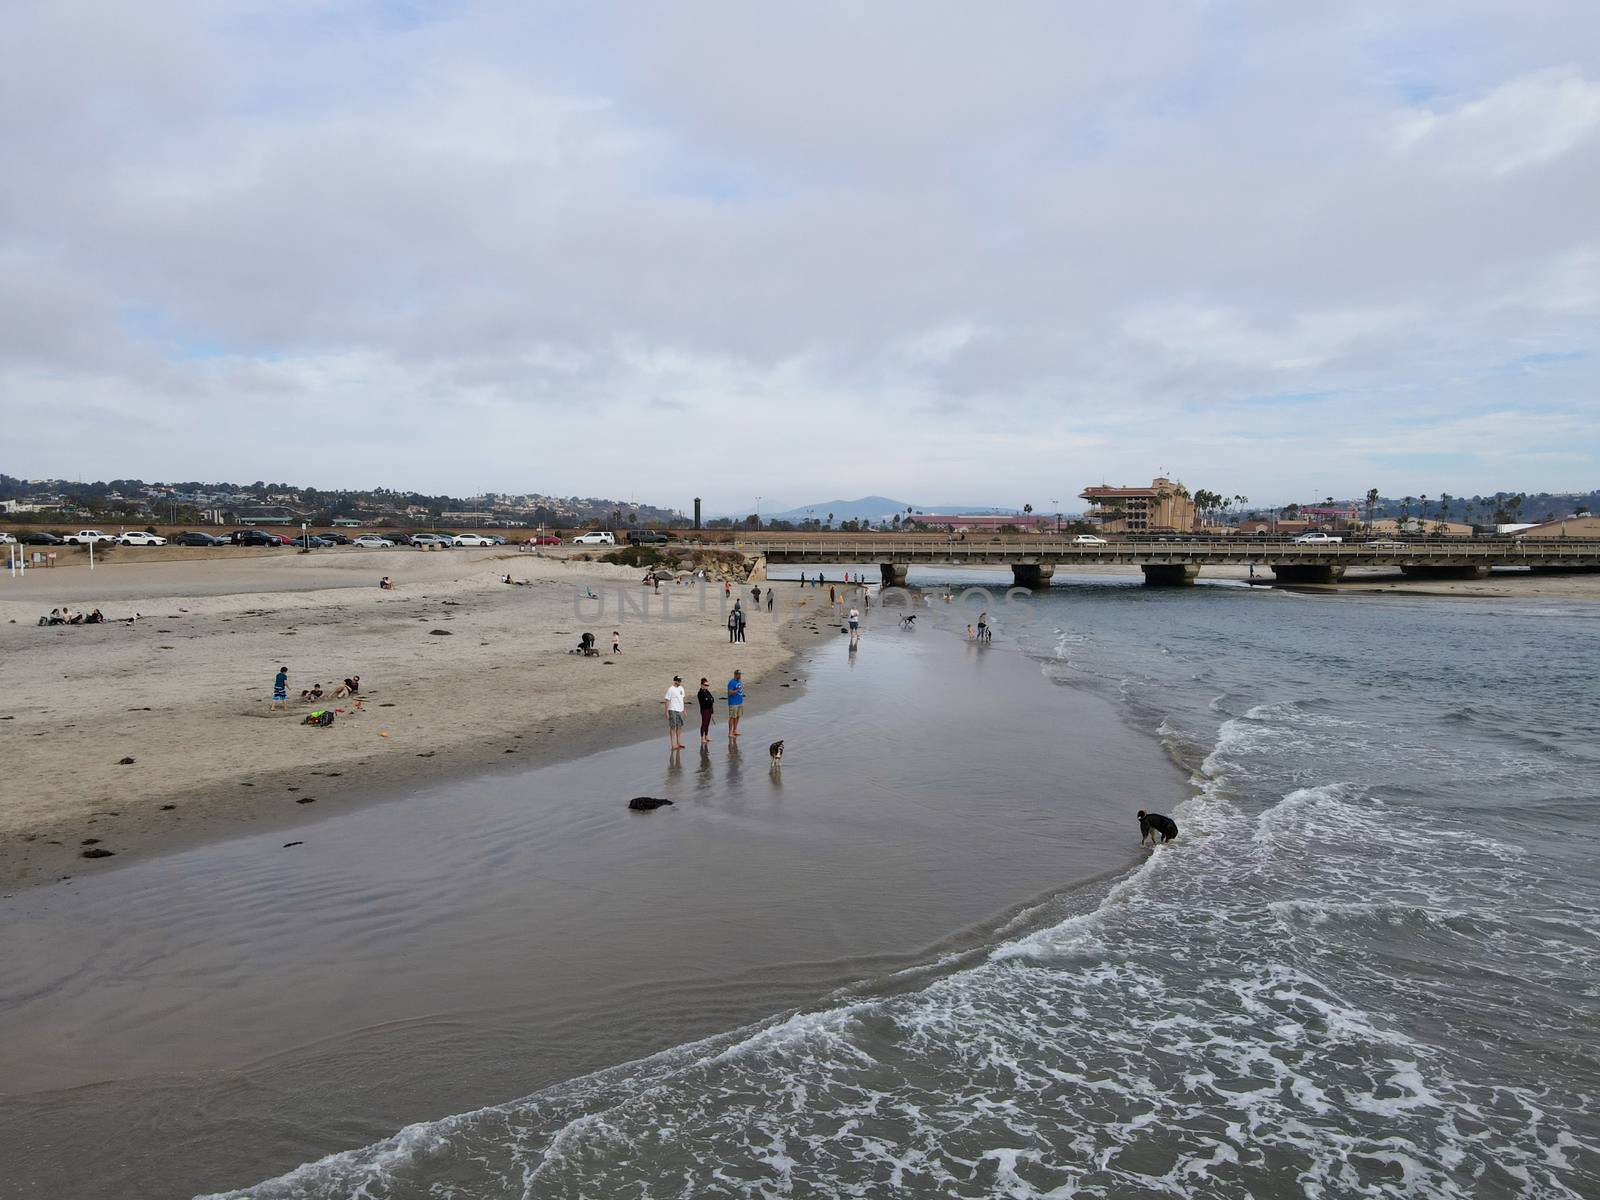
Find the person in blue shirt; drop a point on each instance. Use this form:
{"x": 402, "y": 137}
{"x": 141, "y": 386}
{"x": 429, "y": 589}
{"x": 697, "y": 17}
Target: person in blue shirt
{"x": 280, "y": 687}
{"x": 735, "y": 703}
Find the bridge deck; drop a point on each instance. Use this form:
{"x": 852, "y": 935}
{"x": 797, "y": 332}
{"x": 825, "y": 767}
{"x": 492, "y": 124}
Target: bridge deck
{"x": 913, "y": 552}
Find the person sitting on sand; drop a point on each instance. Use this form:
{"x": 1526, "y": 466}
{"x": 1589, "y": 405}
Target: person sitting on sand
{"x": 314, "y": 692}
{"x": 96, "y": 618}
{"x": 55, "y": 618}
{"x": 386, "y": 584}
{"x": 349, "y": 687}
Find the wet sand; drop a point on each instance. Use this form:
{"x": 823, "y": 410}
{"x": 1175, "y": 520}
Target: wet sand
{"x": 208, "y": 1018}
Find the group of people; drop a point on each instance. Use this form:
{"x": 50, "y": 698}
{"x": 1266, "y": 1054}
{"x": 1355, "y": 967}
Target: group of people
{"x": 349, "y": 688}
{"x": 850, "y": 577}
{"x": 676, "y": 700}
{"x": 65, "y": 616}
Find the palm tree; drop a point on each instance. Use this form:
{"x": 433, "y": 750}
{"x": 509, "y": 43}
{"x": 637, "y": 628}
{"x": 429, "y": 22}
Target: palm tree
{"x": 1372, "y": 503}
{"x": 830, "y": 520}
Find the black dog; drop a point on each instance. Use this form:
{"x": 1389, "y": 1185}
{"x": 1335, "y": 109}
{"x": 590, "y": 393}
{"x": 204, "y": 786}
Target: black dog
{"x": 646, "y": 803}
{"x": 1151, "y": 824}
{"x": 909, "y": 621}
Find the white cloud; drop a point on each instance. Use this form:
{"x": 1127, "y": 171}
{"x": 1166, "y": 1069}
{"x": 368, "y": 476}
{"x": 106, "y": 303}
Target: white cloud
{"x": 1524, "y": 122}
{"x": 708, "y": 248}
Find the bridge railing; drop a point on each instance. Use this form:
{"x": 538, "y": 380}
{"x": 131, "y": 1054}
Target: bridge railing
{"x": 898, "y": 551}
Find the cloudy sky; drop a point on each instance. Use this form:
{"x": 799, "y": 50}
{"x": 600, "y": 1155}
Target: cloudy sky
{"x": 970, "y": 253}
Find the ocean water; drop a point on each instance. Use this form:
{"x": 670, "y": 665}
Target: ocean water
{"x": 1369, "y": 966}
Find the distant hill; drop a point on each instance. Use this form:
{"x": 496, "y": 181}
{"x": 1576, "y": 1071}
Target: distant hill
{"x": 874, "y": 508}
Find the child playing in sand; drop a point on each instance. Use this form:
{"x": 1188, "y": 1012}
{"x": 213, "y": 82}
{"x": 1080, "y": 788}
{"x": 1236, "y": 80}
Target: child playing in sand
{"x": 616, "y": 642}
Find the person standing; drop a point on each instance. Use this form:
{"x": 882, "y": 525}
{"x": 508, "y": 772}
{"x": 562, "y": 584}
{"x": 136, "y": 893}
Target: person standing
{"x": 733, "y": 624}
{"x": 616, "y": 642}
{"x": 708, "y": 704}
{"x": 280, "y": 688}
{"x": 755, "y": 596}
{"x": 855, "y": 622}
{"x": 735, "y": 703}
{"x": 727, "y": 589}
{"x": 672, "y": 705}
{"x": 769, "y": 597}
{"x": 833, "y": 594}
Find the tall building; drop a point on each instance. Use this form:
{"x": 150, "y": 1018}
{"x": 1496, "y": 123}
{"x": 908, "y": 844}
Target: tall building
{"x": 1163, "y": 507}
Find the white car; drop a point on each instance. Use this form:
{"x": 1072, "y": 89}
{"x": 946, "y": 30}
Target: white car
{"x": 594, "y": 539}
{"x": 1317, "y": 539}
{"x": 85, "y": 537}
{"x": 7, "y": 540}
{"x": 369, "y": 541}
{"x": 1089, "y": 539}
{"x": 140, "y": 538}
{"x": 473, "y": 539}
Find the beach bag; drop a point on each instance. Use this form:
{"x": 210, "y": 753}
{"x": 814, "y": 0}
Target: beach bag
{"x": 321, "y": 718}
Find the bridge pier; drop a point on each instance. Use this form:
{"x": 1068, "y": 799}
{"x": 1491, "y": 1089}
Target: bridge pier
{"x": 893, "y": 574}
{"x": 1169, "y": 574}
{"x": 1430, "y": 571}
{"x": 1032, "y": 575}
{"x": 1306, "y": 573}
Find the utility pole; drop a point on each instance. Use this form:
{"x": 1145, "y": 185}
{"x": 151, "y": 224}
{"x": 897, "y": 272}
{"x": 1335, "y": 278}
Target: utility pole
{"x": 1056, "y": 504}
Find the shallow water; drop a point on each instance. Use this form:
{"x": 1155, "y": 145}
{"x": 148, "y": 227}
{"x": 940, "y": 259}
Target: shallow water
{"x": 1366, "y": 968}
{"x": 220, "y": 1015}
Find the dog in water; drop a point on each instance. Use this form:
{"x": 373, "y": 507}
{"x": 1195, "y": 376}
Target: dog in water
{"x": 1152, "y": 824}
{"x": 776, "y": 751}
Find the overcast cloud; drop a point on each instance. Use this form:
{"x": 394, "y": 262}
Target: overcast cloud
{"x": 944, "y": 252}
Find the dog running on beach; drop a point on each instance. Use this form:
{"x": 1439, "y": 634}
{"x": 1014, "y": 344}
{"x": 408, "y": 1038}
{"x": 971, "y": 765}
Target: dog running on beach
{"x": 1152, "y": 824}
{"x": 909, "y": 621}
{"x": 776, "y": 751}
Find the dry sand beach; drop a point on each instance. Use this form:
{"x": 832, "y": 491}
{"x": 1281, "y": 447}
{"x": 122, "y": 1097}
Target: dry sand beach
{"x": 185, "y": 691}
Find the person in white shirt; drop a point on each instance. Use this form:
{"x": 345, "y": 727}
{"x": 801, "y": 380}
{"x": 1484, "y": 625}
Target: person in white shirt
{"x": 672, "y": 705}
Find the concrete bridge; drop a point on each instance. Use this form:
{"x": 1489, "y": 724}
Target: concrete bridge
{"x": 1034, "y": 561}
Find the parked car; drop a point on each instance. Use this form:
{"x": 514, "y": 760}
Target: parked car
{"x": 255, "y": 537}
{"x": 7, "y": 540}
{"x": 594, "y": 539}
{"x": 194, "y": 538}
{"x": 85, "y": 537}
{"x": 427, "y": 541}
{"x": 313, "y": 541}
{"x": 1317, "y": 539}
{"x": 1089, "y": 539}
{"x": 472, "y": 539}
{"x": 646, "y": 537}
{"x": 499, "y": 539}
{"x": 371, "y": 541}
{"x": 334, "y": 539}
{"x": 137, "y": 537}
{"x": 544, "y": 539}
{"x": 40, "y": 537}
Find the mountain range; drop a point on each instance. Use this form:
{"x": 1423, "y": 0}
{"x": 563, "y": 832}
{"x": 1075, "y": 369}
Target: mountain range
{"x": 874, "y": 508}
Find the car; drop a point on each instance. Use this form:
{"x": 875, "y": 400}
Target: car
{"x": 427, "y": 541}
{"x": 646, "y": 537}
{"x": 87, "y": 537}
{"x": 595, "y": 539}
{"x": 41, "y": 537}
{"x": 7, "y": 540}
{"x": 1089, "y": 539}
{"x": 544, "y": 539}
{"x": 255, "y": 537}
{"x": 139, "y": 538}
{"x": 313, "y": 541}
{"x": 472, "y": 539}
{"x": 193, "y": 538}
{"x": 1317, "y": 539}
{"x": 334, "y": 539}
{"x": 499, "y": 539}
{"x": 371, "y": 541}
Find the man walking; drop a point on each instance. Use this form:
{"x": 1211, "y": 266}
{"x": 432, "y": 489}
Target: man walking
{"x": 855, "y": 621}
{"x": 672, "y": 705}
{"x": 735, "y": 703}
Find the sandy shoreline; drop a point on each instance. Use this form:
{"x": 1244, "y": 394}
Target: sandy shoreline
{"x": 186, "y": 690}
